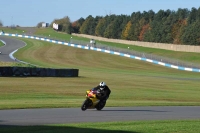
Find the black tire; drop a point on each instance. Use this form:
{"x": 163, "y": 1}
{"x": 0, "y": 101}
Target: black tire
{"x": 84, "y": 105}
{"x": 100, "y": 105}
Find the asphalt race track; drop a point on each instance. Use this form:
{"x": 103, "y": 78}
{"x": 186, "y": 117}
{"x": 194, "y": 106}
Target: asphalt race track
{"x": 11, "y": 45}
{"x": 74, "y": 115}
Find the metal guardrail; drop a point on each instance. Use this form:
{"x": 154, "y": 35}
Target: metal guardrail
{"x": 167, "y": 60}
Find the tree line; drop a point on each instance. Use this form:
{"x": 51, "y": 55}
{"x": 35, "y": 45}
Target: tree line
{"x": 165, "y": 26}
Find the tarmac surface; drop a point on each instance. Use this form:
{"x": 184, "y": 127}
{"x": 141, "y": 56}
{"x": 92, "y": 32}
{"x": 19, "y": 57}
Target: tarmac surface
{"x": 12, "y": 45}
{"x": 25, "y": 117}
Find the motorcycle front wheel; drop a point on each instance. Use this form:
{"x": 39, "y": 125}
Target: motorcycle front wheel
{"x": 84, "y": 105}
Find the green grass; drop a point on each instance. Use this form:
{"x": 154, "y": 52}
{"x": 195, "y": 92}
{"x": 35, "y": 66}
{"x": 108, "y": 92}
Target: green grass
{"x": 12, "y": 30}
{"x": 147, "y": 83}
{"x": 16, "y": 64}
{"x": 184, "y": 56}
{"x": 133, "y": 83}
{"x": 1, "y": 44}
{"x": 49, "y": 32}
{"x": 184, "y": 126}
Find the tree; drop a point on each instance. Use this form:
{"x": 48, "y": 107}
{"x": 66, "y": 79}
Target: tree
{"x": 99, "y": 30}
{"x": 143, "y": 31}
{"x": 193, "y": 16}
{"x": 191, "y": 35}
{"x": 124, "y": 20}
{"x": 134, "y": 31}
{"x": 198, "y": 14}
{"x": 115, "y": 28}
{"x": 142, "y": 27}
{"x": 182, "y": 13}
{"x": 179, "y": 22}
{"x": 107, "y": 25}
{"x": 88, "y": 26}
{"x": 126, "y": 31}
{"x": 165, "y": 26}
{"x": 1, "y": 24}
{"x": 77, "y": 24}
{"x": 108, "y": 32}
{"x": 177, "y": 30}
{"x": 64, "y": 24}
{"x": 96, "y": 21}
{"x": 160, "y": 28}
{"x": 75, "y": 27}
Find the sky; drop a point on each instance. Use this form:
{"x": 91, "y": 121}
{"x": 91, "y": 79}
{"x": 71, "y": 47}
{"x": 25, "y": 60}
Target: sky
{"x": 28, "y": 13}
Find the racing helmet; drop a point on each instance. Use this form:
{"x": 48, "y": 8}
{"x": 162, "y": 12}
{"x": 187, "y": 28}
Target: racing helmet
{"x": 102, "y": 85}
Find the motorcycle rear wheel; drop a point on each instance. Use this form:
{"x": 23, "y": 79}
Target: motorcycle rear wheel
{"x": 100, "y": 106}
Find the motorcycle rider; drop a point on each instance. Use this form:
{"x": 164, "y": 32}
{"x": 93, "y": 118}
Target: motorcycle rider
{"x": 104, "y": 91}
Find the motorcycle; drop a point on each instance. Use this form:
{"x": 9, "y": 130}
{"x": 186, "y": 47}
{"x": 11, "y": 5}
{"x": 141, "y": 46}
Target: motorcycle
{"x": 92, "y": 101}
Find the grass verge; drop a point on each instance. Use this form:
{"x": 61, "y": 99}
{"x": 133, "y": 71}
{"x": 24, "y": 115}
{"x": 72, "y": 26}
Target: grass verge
{"x": 1, "y": 44}
{"x": 168, "y": 126}
{"x": 133, "y": 83}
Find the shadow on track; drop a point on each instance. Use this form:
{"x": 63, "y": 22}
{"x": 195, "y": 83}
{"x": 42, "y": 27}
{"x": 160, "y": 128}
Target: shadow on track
{"x": 55, "y": 129}
{"x": 134, "y": 110}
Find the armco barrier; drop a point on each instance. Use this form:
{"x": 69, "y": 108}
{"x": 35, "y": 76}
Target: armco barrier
{"x": 107, "y": 51}
{"x": 37, "y": 72}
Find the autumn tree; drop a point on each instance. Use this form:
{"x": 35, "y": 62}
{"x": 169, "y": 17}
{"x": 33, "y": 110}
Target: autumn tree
{"x": 178, "y": 26}
{"x": 134, "y": 31}
{"x": 143, "y": 31}
{"x": 125, "y": 32}
{"x": 76, "y": 25}
{"x": 165, "y": 26}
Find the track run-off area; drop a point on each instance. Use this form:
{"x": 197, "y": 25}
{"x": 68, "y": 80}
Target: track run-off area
{"x": 75, "y": 115}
